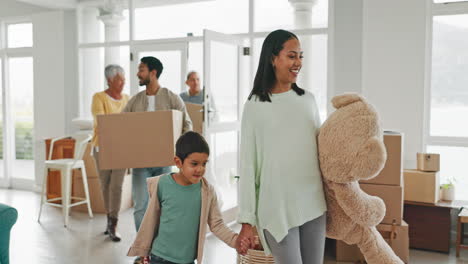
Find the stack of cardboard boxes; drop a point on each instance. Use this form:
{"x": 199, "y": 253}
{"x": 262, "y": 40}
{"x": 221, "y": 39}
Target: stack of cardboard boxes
{"x": 94, "y": 187}
{"x": 422, "y": 185}
{"x": 388, "y": 185}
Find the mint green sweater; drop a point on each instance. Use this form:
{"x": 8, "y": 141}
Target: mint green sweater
{"x": 280, "y": 185}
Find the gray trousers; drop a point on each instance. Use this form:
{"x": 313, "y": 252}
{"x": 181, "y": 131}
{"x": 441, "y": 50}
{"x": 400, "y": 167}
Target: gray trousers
{"x": 111, "y": 186}
{"x": 304, "y": 244}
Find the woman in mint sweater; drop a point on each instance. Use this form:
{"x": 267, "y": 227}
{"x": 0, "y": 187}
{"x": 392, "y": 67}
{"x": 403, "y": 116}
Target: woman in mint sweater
{"x": 281, "y": 189}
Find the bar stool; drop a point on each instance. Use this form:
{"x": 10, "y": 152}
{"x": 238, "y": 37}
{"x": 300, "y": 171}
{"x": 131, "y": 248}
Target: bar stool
{"x": 462, "y": 219}
{"x": 66, "y": 166}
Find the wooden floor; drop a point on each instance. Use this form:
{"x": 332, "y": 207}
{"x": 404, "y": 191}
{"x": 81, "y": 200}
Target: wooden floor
{"x": 83, "y": 241}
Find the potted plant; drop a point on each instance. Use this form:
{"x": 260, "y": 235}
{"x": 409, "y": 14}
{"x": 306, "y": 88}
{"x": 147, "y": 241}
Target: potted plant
{"x": 447, "y": 190}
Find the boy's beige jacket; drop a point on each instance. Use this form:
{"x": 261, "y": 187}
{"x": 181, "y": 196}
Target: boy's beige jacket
{"x": 210, "y": 214}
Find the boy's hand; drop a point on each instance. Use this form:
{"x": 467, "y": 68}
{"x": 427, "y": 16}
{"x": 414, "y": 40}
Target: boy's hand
{"x": 242, "y": 245}
{"x": 246, "y": 236}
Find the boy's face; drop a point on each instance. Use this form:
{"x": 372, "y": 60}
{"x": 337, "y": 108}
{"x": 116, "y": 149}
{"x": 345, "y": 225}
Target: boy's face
{"x": 193, "y": 167}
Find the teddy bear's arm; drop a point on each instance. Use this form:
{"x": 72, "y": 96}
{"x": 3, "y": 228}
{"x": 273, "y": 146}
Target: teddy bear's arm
{"x": 364, "y": 209}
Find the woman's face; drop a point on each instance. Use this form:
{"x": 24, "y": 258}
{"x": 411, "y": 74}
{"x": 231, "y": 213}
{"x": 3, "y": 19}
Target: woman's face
{"x": 288, "y": 63}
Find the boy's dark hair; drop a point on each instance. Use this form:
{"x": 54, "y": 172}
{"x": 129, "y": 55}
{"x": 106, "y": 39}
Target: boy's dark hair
{"x": 189, "y": 143}
{"x": 153, "y": 64}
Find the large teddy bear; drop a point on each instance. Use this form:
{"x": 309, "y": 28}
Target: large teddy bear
{"x": 351, "y": 148}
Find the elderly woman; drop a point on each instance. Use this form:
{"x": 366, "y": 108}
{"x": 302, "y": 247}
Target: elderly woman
{"x": 107, "y": 102}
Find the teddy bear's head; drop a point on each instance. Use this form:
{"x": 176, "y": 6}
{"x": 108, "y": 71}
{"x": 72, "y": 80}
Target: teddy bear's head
{"x": 350, "y": 142}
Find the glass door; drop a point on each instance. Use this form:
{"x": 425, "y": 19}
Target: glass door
{"x": 222, "y": 54}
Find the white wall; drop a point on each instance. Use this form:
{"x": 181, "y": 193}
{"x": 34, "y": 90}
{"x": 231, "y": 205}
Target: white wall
{"x": 71, "y": 71}
{"x": 379, "y": 51}
{"x": 346, "y": 46}
{"x": 394, "y": 42}
{"x": 54, "y": 79}
{"x": 12, "y": 8}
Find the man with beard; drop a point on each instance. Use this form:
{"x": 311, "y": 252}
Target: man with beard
{"x": 153, "y": 98}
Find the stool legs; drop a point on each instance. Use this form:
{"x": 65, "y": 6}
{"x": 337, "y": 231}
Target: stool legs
{"x": 66, "y": 196}
{"x": 86, "y": 190}
{"x": 43, "y": 192}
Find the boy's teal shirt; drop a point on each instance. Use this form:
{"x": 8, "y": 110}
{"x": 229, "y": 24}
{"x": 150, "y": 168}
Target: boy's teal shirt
{"x": 177, "y": 237}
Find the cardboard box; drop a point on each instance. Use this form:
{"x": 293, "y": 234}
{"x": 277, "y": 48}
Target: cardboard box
{"x": 95, "y": 194}
{"x": 399, "y": 244}
{"x": 391, "y": 174}
{"x": 428, "y": 162}
{"x": 421, "y": 186}
{"x": 138, "y": 139}
{"x": 195, "y": 112}
{"x": 393, "y": 199}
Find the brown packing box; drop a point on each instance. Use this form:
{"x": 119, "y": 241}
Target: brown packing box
{"x": 392, "y": 197}
{"x": 400, "y": 244}
{"x": 428, "y": 162}
{"x": 391, "y": 174}
{"x": 138, "y": 139}
{"x": 95, "y": 194}
{"x": 421, "y": 186}
{"x": 195, "y": 112}
{"x": 90, "y": 164}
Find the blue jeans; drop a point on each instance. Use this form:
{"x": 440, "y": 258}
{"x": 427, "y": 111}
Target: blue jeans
{"x": 140, "y": 190}
{"x": 157, "y": 260}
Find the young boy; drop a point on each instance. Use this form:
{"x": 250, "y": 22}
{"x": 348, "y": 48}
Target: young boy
{"x": 180, "y": 207}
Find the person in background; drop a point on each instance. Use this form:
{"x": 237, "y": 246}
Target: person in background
{"x": 195, "y": 95}
{"x": 110, "y": 101}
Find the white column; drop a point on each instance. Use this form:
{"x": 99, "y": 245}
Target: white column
{"x": 111, "y": 16}
{"x": 303, "y": 19}
{"x": 302, "y": 13}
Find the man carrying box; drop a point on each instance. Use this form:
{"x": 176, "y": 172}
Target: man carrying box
{"x": 153, "y": 98}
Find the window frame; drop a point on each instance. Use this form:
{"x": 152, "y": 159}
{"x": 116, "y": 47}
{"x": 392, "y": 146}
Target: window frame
{"x": 438, "y": 9}
{"x": 8, "y": 180}
{"x": 249, "y": 36}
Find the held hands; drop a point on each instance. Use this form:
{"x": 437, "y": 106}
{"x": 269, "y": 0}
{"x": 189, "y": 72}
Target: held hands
{"x": 245, "y": 240}
{"x": 145, "y": 259}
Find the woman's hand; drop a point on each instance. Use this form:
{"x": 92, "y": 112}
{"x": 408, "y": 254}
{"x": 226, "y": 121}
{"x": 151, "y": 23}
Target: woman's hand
{"x": 246, "y": 239}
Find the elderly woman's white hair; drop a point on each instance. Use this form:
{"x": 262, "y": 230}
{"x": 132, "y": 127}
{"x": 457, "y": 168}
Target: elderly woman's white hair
{"x": 112, "y": 70}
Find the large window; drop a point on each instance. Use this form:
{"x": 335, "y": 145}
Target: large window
{"x": 449, "y": 100}
{"x": 21, "y": 87}
{"x": 147, "y": 23}
{"x": 275, "y": 14}
{"x": 16, "y": 104}
{"x": 448, "y": 111}
{"x": 178, "y": 20}
{"x": 19, "y": 35}
{"x": 2, "y": 154}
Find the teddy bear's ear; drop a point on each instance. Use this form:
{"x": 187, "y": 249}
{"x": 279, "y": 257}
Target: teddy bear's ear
{"x": 345, "y": 99}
